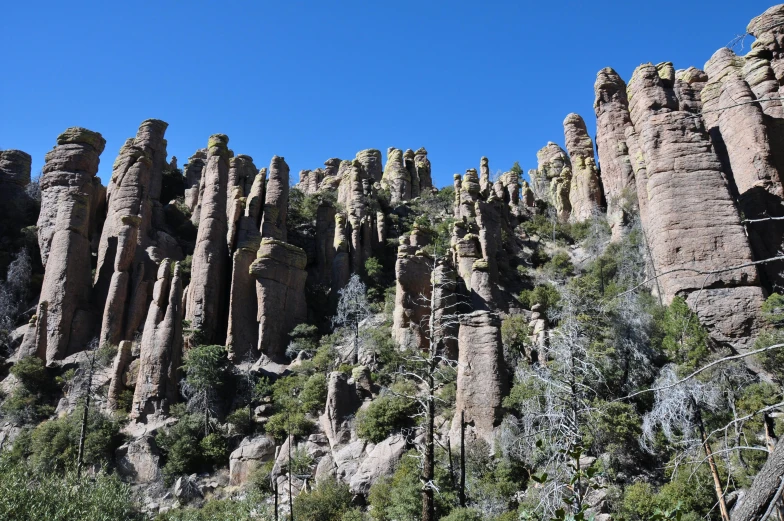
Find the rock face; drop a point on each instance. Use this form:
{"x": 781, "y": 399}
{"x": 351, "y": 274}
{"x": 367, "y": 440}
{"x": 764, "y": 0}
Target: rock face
{"x": 242, "y": 335}
{"x": 161, "y": 348}
{"x": 127, "y": 232}
{"x": 276, "y": 201}
{"x": 412, "y": 295}
{"x": 342, "y": 404}
{"x": 612, "y": 118}
{"x": 554, "y": 177}
{"x": 208, "y": 286}
{"x": 68, "y": 185}
{"x": 585, "y": 192}
{"x": 396, "y": 178}
{"x": 681, "y": 169}
{"x": 15, "y": 204}
{"x": 371, "y": 162}
{"x": 194, "y": 171}
{"x": 482, "y": 379}
{"x": 279, "y": 270}
{"x": 423, "y": 170}
{"x": 250, "y": 455}
{"x": 381, "y": 461}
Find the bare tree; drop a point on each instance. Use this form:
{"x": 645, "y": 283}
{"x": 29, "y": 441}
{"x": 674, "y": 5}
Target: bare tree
{"x": 679, "y": 413}
{"x": 353, "y": 308}
{"x": 548, "y": 432}
{"x": 14, "y": 293}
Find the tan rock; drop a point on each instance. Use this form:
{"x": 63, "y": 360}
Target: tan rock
{"x": 585, "y": 189}
{"x": 396, "y": 178}
{"x": 249, "y": 456}
{"x": 276, "y": 201}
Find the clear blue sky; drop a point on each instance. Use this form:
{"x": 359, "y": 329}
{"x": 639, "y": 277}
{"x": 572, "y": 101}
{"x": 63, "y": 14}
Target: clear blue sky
{"x": 313, "y": 80}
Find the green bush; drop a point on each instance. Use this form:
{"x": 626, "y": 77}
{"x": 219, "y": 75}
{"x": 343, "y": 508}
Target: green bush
{"x": 463, "y": 514}
{"x": 214, "y": 449}
{"x": 329, "y": 501}
{"x": 545, "y": 294}
{"x": 560, "y": 265}
{"x": 515, "y": 333}
{"x": 180, "y": 446}
{"x": 50, "y": 496}
{"x": 314, "y": 393}
{"x": 685, "y": 340}
{"x": 282, "y": 424}
{"x": 252, "y": 507}
{"x": 773, "y": 310}
{"x": 54, "y": 444}
{"x": 31, "y": 373}
{"x": 384, "y": 416}
{"x": 241, "y": 420}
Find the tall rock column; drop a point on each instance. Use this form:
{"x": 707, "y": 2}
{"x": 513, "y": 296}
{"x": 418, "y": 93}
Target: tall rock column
{"x": 482, "y": 379}
{"x": 161, "y": 348}
{"x": 242, "y": 336}
{"x": 209, "y": 268}
{"x": 554, "y": 175}
{"x": 484, "y": 177}
{"x": 684, "y": 175}
{"x": 396, "y": 178}
{"x": 413, "y": 173}
{"x": 422, "y": 164}
{"x": 242, "y": 174}
{"x": 585, "y": 192}
{"x": 412, "y": 293}
{"x": 757, "y": 180}
{"x": 371, "y": 162}
{"x": 126, "y": 231}
{"x": 612, "y": 118}
{"x": 14, "y": 178}
{"x": 276, "y": 201}
{"x": 63, "y": 225}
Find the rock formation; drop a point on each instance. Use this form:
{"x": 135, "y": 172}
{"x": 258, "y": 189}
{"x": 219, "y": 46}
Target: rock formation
{"x": 68, "y": 185}
{"x": 161, "y": 347}
{"x": 422, "y": 164}
{"x": 209, "y": 268}
{"x": 554, "y": 176}
{"x": 396, "y": 178}
{"x": 612, "y": 118}
{"x": 585, "y": 192}
{"x": 482, "y": 380}
{"x": 194, "y": 171}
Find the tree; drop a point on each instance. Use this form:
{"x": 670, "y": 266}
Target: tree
{"x": 353, "y": 308}
{"x": 205, "y": 372}
{"x": 14, "y": 293}
{"x": 679, "y": 412}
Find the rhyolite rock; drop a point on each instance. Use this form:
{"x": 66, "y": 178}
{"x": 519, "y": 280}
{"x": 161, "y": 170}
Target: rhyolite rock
{"x": 342, "y": 403}
{"x": 209, "y": 268}
{"x": 423, "y": 169}
{"x": 250, "y": 455}
{"x": 585, "y": 192}
{"x": 119, "y": 366}
{"x": 482, "y": 379}
{"x": 381, "y": 461}
{"x": 67, "y": 188}
{"x": 396, "y": 178}
{"x": 412, "y": 295}
{"x": 612, "y": 118}
{"x": 194, "y": 171}
{"x": 276, "y": 201}
{"x": 160, "y": 357}
{"x": 279, "y": 270}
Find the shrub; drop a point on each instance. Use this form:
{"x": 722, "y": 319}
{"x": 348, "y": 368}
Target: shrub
{"x": 463, "y": 514}
{"x": 545, "y": 294}
{"x": 64, "y": 498}
{"x": 384, "y": 416}
{"x": 54, "y": 444}
{"x": 560, "y": 265}
{"x": 214, "y": 449}
{"x": 773, "y": 310}
{"x": 514, "y": 334}
{"x": 329, "y": 501}
{"x": 180, "y": 445}
{"x": 685, "y": 341}
{"x": 314, "y": 393}
{"x": 241, "y": 421}
{"x": 284, "y": 423}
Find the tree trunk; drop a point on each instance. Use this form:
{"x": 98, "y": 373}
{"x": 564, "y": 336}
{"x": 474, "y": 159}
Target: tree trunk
{"x": 725, "y": 516}
{"x": 428, "y": 504}
{"x": 85, "y": 417}
{"x": 765, "y": 490}
{"x": 462, "y": 495}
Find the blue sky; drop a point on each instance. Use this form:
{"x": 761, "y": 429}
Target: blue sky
{"x": 314, "y": 80}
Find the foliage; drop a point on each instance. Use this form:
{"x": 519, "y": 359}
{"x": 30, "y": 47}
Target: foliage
{"x": 353, "y": 308}
{"x": 463, "y": 514}
{"x": 560, "y": 266}
{"x": 773, "y": 310}
{"x": 303, "y": 209}
{"x": 546, "y": 295}
{"x": 251, "y": 507}
{"x": 384, "y": 416}
{"x": 284, "y": 423}
{"x": 213, "y": 449}
{"x": 685, "y": 341}
{"x": 206, "y": 372}
{"x": 52, "y": 496}
{"x": 514, "y": 335}
{"x": 28, "y": 402}
{"x": 180, "y": 446}
{"x": 53, "y": 445}
{"x": 14, "y": 294}
{"x": 328, "y": 501}
{"x": 304, "y": 338}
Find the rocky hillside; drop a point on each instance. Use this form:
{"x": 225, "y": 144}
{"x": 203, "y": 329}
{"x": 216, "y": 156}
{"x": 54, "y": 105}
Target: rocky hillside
{"x": 599, "y": 339}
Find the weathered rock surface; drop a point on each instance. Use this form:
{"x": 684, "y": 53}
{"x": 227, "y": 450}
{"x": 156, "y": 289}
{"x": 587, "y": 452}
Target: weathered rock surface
{"x": 412, "y": 295}
{"x": 585, "y": 192}
{"x": 161, "y": 348}
{"x": 209, "y": 272}
{"x": 279, "y": 270}
{"x": 482, "y": 378}
{"x": 396, "y": 178}
{"x": 249, "y": 456}
{"x": 67, "y": 187}
{"x": 381, "y": 461}
{"x": 612, "y": 118}
{"x": 276, "y": 201}
{"x": 342, "y": 404}
{"x": 139, "y": 460}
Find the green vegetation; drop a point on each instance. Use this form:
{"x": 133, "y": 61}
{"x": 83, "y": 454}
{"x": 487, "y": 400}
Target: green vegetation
{"x": 328, "y": 501}
{"x": 30, "y": 402}
{"x": 386, "y": 414}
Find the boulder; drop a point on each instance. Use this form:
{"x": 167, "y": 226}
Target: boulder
{"x": 342, "y": 404}
{"x": 139, "y": 460}
{"x": 381, "y": 461}
{"x": 249, "y": 456}
{"x": 371, "y": 163}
